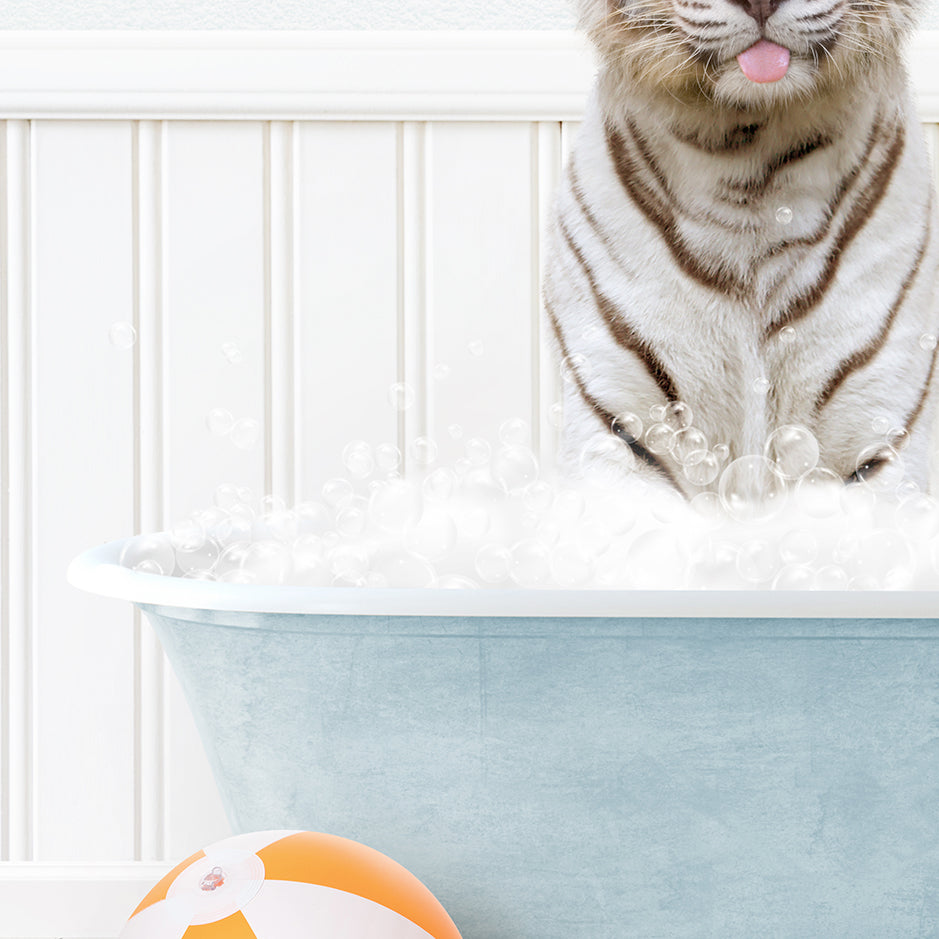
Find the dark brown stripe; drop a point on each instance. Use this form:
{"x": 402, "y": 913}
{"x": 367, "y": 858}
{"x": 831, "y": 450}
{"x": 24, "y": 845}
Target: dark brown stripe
{"x": 924, "y": 394}
{"x": 581, "y": 200}
{"x": 663, "y": 218}
{"x": 756, "y": 186}
{"x": 858, "y": 215}
{"x": 737, "y": 138}
{"x": 609, "y": 420}
{"x": 860, "y": 358}
{"x": 619, "y": 329}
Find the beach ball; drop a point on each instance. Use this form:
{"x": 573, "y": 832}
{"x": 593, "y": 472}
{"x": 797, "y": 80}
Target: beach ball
{"x": 288, "y": 885}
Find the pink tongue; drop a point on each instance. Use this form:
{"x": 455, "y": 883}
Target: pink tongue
{"x": 764, "y": 61}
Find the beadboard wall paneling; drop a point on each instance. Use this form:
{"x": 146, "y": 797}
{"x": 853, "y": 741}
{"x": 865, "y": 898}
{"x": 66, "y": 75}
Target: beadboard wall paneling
{"x": 292, "y": 224}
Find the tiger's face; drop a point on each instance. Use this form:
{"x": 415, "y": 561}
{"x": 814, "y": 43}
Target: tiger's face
{"x": 748, "y": 53}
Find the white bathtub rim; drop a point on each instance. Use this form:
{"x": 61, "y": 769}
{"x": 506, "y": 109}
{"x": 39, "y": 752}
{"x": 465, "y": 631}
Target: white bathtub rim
{"x": 99, "y": 571}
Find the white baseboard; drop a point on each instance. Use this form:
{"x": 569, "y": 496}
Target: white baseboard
{"x": 72, "y": 901}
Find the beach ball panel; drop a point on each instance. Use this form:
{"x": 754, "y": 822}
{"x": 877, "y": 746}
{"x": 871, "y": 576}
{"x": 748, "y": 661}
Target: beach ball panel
{"x": 160, "y": 890}
{"x": 331, "y": 861}
{"x": 168, "y": 919}
{"x": 252, "y": 841}
{"x": 232, "y": 927}
{"x": 285, "y": 910}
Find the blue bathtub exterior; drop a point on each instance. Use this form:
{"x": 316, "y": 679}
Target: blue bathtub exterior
{"x": 593, "y": 778}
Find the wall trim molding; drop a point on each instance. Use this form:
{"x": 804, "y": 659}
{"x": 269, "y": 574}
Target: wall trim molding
{"x": 281, "y": 75}
{"x": 81, "y": 901}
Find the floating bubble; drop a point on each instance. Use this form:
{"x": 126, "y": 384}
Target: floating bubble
{"x": 514, "y": 467}
{"x": 880, "y": 425}
{"x": 877, "y": 465}
{"x": 455, "y": 431}
{"x": 568, "y": 566}
{"x": 603, "y": 462}
{"x": 232, "y": 352}
{"x": 918, "y": 516}
{"x": 722, "y": 452}
{"x": 792, "y": 450}
{"x": 401, "y": 569}
{"x": 794, "y": 577}
{"x": 784, "y": 215}
{"x": 358, "y": 459}
{"x": 556, "y": 415}
{"x": 476, "y": 348}
{"x": 530, "y": 564}
{"x": 245, "y": 433}
{"x": 433, "y": 535}
{"x": 575, "y": 368}
{"x": 440, "y": 485}
{"x": 313, "y": 518}
{"x": 689, "y": 445}
{"x": 149, "y": 554}
{"x": 401, "y": 396}
{"x": 761, "y": 385}
{"x": 798, "y": 546}
{"x": 657, "y": 413}
{"x": 423, "y": 451}
{"x": 750, "y": 490}
{"x": 928, "y": 342}
{"x": 122, "y": 335}
{"x": 538, "y": 497}
{"x": 220, "y": 421}
{"x": 830, "y": 577}
{"x": 515, "y": 431}
{"x": 677, "y": 415}
{"x": 352, "y": 518}
{"x": 337, "y": 491}
{"x": 628, "y": 426}
{"x": 758, "y": 561}
{"x": 441, "y": 372}
{"x": 188, "y": 534}
{"x": 787, "y": 334}
{"x": 707, "y": 505}
{"x": 395, "y": 504}
{"x": 701, "y": 468}
{"x": 349, "y": 562}
{"x": 478, "y": 451}
{"x": 387, "y": 457}
{"x": 659, "y": 438}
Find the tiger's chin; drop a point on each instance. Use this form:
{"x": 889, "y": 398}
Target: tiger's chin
{"x": 731, "y": 88}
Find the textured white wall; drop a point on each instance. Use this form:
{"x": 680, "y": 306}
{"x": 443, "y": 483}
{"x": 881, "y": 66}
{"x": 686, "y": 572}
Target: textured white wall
{"x": 297, "y": 14}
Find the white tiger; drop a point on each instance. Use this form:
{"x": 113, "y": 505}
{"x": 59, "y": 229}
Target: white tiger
{"x": 746, "y": 225}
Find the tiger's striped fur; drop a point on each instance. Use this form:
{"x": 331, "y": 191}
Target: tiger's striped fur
{"x": 669, "y": 276}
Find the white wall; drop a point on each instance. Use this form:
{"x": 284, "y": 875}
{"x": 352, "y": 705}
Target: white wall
{"x": 125, "y": 197}
{"x": 297, "y": 14}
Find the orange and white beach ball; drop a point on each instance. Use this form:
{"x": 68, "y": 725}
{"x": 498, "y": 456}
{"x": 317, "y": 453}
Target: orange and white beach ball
{"x": 288, "y": 885}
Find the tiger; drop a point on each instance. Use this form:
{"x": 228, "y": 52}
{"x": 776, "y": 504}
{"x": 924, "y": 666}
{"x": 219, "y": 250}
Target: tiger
{"x": 744, "y": 239}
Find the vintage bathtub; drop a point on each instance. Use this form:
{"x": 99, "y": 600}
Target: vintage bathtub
{"x": 582, "y": 765}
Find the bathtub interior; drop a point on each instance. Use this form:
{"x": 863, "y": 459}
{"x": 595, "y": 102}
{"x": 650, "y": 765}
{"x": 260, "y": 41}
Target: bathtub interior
{"x": 765, "y": 770}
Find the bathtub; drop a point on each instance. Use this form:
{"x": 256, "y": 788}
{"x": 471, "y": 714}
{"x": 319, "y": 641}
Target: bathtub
{"x": 582, "y": 764}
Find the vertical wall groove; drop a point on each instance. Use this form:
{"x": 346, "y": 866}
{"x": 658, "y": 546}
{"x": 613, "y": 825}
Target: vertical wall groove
{"x": 546, "y": 138}
{"x": 413, "y": 152}
{"x": 279, "y": 244}
{"x": 18, "y": 641}
{"x": 149, "y": 508}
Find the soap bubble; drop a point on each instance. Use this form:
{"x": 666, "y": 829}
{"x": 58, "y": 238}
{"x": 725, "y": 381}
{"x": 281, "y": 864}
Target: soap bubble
{"x": 714, "y": 566}
{"x": 232, "y": 352}
{"x": 478, "y": 451}
{"x": 628, "y": 426}
{"x": 701, "y": 468}
{"x": 689, "y": 445}
{"x": 401, "y": 396}
{"x": 476, "y": 348}
{"x": 349, "y": 562}
{"x": 245, "y": 433}
{"x": 187, "y": 534}
{"x": 515, "y": 432}
{"x": 220, "y": 422}
{"x": 677, "y": 415}
{"x": 798, "y": 546}
{"x": 880, "y": 425}
{"x": 313, "y": 518}
{"x": 750, "y": 490}
{"x": 602, "y": 461}
{"x": 656, "y": 560}
{"x": 395, "y": 504}
{"x": 198, "y": 559}
{"x": 440, "y": 485}
{"x": 818, "y": 492}
{"x": 792, "y": 449}
{"x": 880, "y": 558}
{"x": 358, "y": 459}
{"x": 423, "y": 451}
{"x": 433, "y": 535}
{"x": 556, "y": 415}
{"x": 830, "y": 577}
{"x": 401, "y": 569}
{"x": 149, "y": 554}
{"x": 928, "y": 342}
{"x": 122, "y": 335}
{"x": 352, "y": 518}
{"x": 757, "y": 561}
{"x": 455, "y": 431}
{"x": 441, "y": 372}
{"x": 784, "y": 215}
{"x": 568, "y": 566}
{"x": 575, "y": 367}
{"x": 493, "y": 562}
{"x": 337, "y": 491}
{"x": 721, "y": 452}
{"x": 660, "y": 438}
{"x": 514, "y": 467}
{"x": 387, "y": 457}
{"x": 538, "y": 497}
{"x": 877, "y": 465}
{"x": 530, "y": 564}
{"x": 787, "y": 334}
{"x": 794, "y": 577}
{"x": 918, "y": 516}
{"x": 761, "y": 385}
